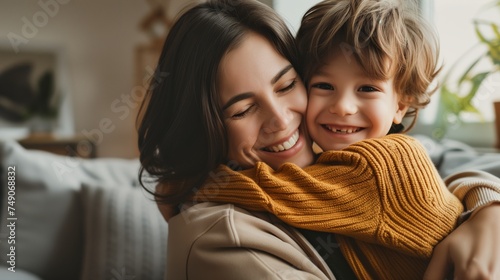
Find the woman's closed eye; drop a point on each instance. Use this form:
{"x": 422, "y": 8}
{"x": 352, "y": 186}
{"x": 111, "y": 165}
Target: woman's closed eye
{"x": 289, "y": 87}
{"x": 245, "y": 112}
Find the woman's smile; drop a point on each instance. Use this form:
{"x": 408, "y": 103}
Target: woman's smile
{"x": 284, "y": 146}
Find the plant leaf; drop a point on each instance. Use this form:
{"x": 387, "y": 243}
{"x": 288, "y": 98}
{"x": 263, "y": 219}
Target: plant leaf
{"x": 492, "y": 44}
{"x": 451, "y": 101}
{"x": 476, "y": 83}
{"x": 469, "y": 69}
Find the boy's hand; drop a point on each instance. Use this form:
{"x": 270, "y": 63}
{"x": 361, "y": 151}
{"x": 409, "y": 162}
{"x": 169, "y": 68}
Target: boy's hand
{"x": 472, "y": 251}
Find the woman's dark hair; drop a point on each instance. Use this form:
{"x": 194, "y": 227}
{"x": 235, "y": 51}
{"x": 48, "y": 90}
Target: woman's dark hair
{"x": 182, "y": 136}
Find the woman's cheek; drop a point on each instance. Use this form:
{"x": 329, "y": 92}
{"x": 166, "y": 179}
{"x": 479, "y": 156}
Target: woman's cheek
{"x": 242, "y": 137}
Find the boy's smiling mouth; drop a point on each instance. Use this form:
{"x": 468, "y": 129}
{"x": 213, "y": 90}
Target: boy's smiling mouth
{"x": 342, "y": 129}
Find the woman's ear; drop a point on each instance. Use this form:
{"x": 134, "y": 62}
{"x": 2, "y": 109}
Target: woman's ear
{"x": 401, "y": 110}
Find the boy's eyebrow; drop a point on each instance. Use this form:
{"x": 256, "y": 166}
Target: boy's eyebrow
{"x": 246, "y": 95}
{"x": 320, "y": 72}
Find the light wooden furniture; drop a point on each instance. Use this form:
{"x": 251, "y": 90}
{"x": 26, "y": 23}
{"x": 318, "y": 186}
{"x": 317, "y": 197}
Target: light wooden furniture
{"x": 77, "y": 146}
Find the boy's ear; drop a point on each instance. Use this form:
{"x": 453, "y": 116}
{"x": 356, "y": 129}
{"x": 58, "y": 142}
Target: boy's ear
{"x": 401, "y": 110}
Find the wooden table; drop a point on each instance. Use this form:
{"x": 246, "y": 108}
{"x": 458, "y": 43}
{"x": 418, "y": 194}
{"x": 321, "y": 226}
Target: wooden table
{"x": 67, "y": 146}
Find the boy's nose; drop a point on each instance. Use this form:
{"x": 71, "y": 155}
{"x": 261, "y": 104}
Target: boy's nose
{"x": 343, "y": 106}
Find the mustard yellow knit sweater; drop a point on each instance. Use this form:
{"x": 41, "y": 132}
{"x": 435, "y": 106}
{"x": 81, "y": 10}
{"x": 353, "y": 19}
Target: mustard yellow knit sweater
{"x": 383, "y": 197}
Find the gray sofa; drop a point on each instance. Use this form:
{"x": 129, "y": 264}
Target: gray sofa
{"x": 450, "y": 156}
{"x": 76, "y": 218}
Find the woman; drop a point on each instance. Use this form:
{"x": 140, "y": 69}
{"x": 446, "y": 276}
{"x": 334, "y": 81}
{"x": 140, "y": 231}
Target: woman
{"x": 192, "y": 124}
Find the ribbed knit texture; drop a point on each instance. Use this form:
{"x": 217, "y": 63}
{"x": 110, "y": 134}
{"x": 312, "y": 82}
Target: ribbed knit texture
{"x": 383, "y": 196}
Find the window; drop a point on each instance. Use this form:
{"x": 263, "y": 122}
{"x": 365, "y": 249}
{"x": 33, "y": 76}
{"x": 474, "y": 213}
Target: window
{"x": 453, "y": 20}
{"x": 293, "y": 10}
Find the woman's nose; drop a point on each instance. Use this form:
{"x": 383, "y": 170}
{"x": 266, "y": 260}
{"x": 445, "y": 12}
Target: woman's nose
{"x": 343, "y": 106}
{"x": 278, "y": 118}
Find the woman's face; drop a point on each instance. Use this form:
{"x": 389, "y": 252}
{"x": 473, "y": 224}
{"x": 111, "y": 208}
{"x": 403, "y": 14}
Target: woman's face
{"x": 264, "y": 102}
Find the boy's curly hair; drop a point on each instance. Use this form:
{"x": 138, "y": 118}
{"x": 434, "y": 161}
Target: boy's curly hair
{"x": 387, "y": 38}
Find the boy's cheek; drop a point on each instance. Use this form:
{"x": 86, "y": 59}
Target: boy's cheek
{"x": 311, "y": 116}
{"x": 313, "y": 108}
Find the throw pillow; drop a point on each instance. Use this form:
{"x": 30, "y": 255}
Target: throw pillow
{"x": 49, "y": 226}
{"x": 125, "y": 234}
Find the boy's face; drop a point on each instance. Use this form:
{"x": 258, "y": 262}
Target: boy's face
{"x": 346, "y": 106}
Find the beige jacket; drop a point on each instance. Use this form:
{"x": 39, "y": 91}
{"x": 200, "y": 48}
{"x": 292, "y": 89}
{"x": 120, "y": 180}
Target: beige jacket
{"x": 220, "y": 241}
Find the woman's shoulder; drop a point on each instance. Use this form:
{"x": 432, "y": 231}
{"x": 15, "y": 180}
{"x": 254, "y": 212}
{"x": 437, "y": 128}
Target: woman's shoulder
{"x": 202, "y": 220}
{"x": 213, "y": 237}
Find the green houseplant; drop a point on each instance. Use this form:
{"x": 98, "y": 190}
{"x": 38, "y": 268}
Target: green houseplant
{"x": 457, "y": 92}
{"x": 44, "y": 109}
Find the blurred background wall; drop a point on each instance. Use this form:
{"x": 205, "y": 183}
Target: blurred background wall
{"x": 96, "y": 41}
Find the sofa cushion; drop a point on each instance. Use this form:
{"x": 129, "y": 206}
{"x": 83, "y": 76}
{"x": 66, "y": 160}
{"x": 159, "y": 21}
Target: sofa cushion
{"x": 17, "y": 275}
{"x": 125, "y": 234}
{"x": 49, "y": 226}
{"x": 452, "y": 156}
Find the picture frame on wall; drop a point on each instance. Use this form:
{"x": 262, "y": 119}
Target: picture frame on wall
{"x": 34, "y": 95}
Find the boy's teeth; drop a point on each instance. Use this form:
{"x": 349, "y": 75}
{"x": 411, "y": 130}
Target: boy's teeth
{"x": 285, "y": 145}
{"x": 343, "y": 130}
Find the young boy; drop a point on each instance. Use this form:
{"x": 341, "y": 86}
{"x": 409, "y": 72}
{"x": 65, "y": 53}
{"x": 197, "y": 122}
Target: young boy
{"x": 367, "y": 64}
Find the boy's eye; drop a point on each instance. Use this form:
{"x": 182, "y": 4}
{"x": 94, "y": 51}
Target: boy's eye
{"x": 368, "y": 89}
{"x": 324, "y": 86}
